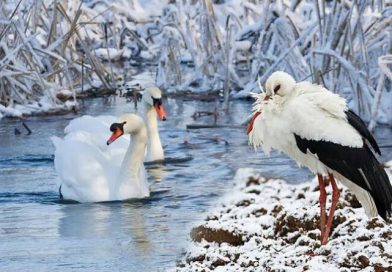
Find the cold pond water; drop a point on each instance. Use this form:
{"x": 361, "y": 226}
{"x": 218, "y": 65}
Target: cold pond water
{"x": 40, "y": 233}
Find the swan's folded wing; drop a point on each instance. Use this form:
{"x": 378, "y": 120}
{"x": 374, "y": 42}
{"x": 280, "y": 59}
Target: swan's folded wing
{"x": 92, "y": 124}
{"x": 83, "y": 170}
{"x": 95, "y": 130}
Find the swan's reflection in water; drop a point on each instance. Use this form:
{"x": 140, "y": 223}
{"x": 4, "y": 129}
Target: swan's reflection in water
{"x": 138, "y": 231}
{"x": 156, "y": 173}
{"x": 123, "y": 223}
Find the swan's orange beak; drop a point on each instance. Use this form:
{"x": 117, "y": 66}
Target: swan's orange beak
{"x": 116, "y": 134}
{"x": 160, "y": 111}
{"x": 250, "y": 125}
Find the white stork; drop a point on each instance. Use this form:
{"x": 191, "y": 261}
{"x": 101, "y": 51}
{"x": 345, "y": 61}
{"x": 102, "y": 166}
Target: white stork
{"x": 314, "y": 127}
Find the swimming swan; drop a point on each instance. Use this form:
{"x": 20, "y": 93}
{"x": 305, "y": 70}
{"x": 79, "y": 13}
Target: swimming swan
{"x": 92, "y": 169}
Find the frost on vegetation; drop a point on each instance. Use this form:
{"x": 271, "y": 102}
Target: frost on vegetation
{"x": 223, "y": 46}
{"x": 270, "y": 225}
{"x": 215, "y": 46}
{"x": 52, "y": 52}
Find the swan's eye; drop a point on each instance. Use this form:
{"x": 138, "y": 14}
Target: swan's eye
{"x": 156, "y": 101}
{"x": 116, "y": 126}
{"x": 276, "y": 89}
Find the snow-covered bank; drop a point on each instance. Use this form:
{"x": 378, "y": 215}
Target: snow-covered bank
{"x": 270, "y": 225}
{"x": 37, "y": 108}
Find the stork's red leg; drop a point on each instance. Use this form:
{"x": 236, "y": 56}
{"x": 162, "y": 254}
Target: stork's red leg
{"x": 335, "y": 198}
{"x": 323, "y": 200}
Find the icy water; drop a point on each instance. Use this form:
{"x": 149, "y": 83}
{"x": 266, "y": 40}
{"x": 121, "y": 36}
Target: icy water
{"x": 40, "y": 233}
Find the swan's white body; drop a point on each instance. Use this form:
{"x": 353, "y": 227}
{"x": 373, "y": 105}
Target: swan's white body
{"x": 91, "y": 171}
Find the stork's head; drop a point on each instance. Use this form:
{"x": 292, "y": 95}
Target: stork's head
{"x": 279, "y": 83}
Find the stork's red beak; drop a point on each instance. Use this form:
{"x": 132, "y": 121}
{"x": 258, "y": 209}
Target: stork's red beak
{"x": 160, "y": 111}
{"x": 250, "y": 125}
{"x": 116, "y": 134}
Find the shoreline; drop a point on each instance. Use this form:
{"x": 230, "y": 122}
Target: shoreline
{"x": 271, "y": 225}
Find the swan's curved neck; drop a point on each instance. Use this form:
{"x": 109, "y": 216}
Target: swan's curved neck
{"x": 136, "y": 150}
{"x": 132, "y": 165}
{"x": 154, "y": 149}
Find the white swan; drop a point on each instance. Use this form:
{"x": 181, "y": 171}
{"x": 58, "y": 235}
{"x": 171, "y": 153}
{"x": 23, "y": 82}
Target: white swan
{"x": 152, "y": 99}
{"x": 90, "y": 171}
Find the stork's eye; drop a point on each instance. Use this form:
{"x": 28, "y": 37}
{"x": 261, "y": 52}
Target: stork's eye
{"x": 276, "y": 89}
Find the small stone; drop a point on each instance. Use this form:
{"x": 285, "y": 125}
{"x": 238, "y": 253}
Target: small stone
{"x": 211, "y": 218}
{"x": 314, "y": 236}
{"x": 363, "y": 261}
{"x": 374, "y": 223}
{"x": 199, "y": 258}
{"x": 352, "y": 200}
{"x": 363, "y": 238}
{"x": 300, "y": 196}
{"x": 219, "y": 262}
{"x": 379, "y": 268}
{"x": 243, "y": 203}
{"x": 387, "y": 235}
{"x": 277, "y": 209}
{"x": 379, "y": 245}
{"x": 253, "y": 181}
{"x": 325, "y": 252}
{"x": 259, "y": 212}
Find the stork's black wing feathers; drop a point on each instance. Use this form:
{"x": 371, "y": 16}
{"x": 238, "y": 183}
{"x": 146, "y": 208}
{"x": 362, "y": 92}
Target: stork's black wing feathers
{"x": 356, "y": 122}
{"x": 359, "y": 165}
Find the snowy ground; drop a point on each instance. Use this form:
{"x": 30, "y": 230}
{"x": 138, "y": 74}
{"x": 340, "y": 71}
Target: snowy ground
{"x": 270, "y": 225}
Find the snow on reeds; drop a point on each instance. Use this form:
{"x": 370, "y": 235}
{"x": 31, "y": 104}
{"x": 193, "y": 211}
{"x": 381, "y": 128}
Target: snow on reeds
{"x": 200, "y": 46}
{"x": 340, "y": 44}
{"x": 39, "y": 57}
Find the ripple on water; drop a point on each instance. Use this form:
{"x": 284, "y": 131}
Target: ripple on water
{"x": 38, "y": 232}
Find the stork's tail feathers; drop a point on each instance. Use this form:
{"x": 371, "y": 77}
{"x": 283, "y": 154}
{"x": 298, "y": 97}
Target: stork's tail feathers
{"x": 381, "y": 189}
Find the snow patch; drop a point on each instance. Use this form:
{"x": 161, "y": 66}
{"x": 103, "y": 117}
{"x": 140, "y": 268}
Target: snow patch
{"x": 279, "y": 224}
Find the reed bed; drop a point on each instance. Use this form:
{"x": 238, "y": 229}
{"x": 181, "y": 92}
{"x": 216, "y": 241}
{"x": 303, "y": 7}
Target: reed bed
{"x": 344, "y": 45}
{"x": 204, "y": 46}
